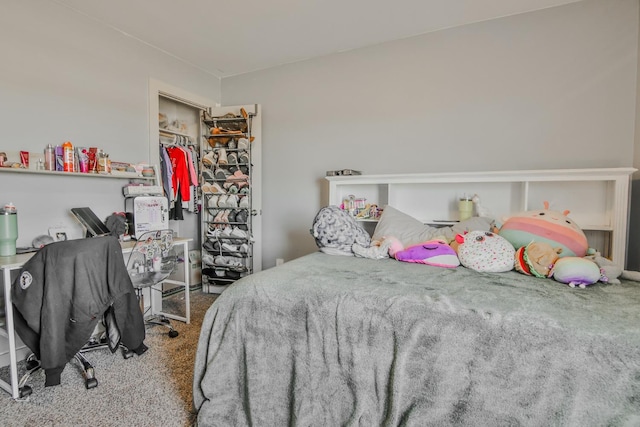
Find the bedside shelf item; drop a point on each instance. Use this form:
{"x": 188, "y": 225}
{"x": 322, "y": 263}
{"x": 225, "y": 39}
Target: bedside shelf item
{"x": 343, "y": 172}
{"x": 598, "y": 199}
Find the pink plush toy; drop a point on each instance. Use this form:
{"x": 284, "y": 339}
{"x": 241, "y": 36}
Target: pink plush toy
{"x": 433, "y": 252}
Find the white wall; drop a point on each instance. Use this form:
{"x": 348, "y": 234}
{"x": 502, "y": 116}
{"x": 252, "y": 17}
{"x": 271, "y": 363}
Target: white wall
{"x": 549, "y": 89}
{"x": 66, "y": 77}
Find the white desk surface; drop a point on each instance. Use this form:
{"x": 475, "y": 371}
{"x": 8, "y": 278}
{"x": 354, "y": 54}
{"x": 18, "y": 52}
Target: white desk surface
{"x": 16, "y": 261}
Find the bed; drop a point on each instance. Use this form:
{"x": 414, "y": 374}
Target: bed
{"x": 329, "y": 340}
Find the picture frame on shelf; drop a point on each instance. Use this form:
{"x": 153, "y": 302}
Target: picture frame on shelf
{"x": 59, "y": 234}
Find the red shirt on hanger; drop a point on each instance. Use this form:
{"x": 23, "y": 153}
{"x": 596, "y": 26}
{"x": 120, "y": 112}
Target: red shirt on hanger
{"x": 181, "y": 179}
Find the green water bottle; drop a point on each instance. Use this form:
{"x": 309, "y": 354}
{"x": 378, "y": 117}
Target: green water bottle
{"x": 8, "y": 230}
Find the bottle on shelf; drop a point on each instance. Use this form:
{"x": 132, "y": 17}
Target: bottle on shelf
{"x": 49, "y": 158}
{"x": 67, "y": 157}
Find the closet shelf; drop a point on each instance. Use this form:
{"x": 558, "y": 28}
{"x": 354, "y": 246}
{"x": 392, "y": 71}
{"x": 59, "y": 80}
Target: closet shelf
{"x": 170, "y": 133}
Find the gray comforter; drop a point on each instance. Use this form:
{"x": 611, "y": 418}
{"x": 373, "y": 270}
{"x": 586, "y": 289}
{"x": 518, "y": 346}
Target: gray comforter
{"x": 328, "y": 340}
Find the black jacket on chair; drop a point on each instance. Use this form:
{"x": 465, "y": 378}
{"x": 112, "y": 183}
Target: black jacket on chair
{"x": 64, "y": 290}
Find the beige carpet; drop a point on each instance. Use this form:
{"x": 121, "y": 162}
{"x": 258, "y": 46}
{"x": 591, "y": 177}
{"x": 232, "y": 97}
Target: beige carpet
{"x": 151, "y": 390}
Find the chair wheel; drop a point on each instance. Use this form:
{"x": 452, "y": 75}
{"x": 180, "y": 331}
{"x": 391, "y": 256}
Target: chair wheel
{"x": 25, "y": 391}
{"x": 127, "y": 354}
{"x": 91, "y": 383}
{"x": 173, "y": 333}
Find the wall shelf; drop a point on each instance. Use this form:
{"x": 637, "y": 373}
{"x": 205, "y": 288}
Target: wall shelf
{"x": 117, "y": 175}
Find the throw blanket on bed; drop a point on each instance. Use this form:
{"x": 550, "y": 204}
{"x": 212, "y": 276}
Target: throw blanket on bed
{"x": 326, "y": 341}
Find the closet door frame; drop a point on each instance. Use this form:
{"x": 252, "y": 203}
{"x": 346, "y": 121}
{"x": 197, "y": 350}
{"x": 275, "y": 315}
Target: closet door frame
{"x": 157, "y": 89}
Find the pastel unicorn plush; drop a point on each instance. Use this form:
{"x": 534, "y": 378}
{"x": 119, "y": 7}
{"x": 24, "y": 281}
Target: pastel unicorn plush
{"x": 545, "y": 225}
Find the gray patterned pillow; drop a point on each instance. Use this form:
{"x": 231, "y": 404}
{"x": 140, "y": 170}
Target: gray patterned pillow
{"x": 335, "y": 231}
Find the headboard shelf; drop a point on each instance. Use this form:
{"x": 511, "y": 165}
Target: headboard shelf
{"x": 597, "y": 198}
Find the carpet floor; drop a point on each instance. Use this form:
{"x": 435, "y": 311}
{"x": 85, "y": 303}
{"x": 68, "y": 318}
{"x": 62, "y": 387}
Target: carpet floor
{"x": 154, "y": 389}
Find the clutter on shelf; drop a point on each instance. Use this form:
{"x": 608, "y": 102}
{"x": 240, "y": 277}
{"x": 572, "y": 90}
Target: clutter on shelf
{"x": 344, "y": 172}
{"x": 359, "y": 208}
{"x": 66, "y": 157}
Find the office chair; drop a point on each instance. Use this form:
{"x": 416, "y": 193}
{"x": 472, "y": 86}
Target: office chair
{"x": 99, "y": 340}
{"x": 151, "y": 261}
{"x": 60, "y": 296}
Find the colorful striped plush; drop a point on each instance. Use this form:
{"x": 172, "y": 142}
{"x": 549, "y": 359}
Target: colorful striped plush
{"x": 552, "y": 227}
{"x": 575, "y": 271}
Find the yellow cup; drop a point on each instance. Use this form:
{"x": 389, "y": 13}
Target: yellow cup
{"x": 465, "y": 208}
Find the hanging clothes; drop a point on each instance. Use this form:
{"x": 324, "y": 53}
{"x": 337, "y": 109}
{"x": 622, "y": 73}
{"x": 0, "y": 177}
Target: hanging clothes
{"x": 195, "y": 154}
{"x": 192, "y": 168}
{"x": 193, "y": 173}
{"x": 181, "y": 180}
{"x": 175, "y": 213}
{"x": 166, "y": 172}
{"x": 179, "y": 160}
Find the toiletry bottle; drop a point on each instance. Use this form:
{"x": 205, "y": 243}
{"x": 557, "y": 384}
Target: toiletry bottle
{"x": 67, "y": 157}
{"x": 49, "y": 158}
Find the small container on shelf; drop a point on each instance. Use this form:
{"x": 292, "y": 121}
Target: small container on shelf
{"x": 49, "y": 158}
{"x": 465, "y": 207}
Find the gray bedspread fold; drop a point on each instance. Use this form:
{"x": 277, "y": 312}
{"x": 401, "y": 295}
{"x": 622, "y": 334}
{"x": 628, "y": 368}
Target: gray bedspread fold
{"x": 342, "y": 341}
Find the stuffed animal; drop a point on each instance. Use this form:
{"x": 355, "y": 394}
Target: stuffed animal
{"x": 610, "y": 272}
{"x": 485, "y": 251}
{"x": 433, "y": 252}
{"x": 552, "y": 227}
{"x": 575, "y": 271}
{"x": 480, "y": 209}
{"x": 536, "y": 259}
{"x": 379, "y": 249}
{"x": 335, "y": 232}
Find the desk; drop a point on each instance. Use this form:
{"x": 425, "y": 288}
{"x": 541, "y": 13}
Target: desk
{"x": 8, "y": 264}
{"x": 16, "y": 347}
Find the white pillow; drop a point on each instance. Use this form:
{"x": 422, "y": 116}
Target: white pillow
{"x": 410, "y": 231}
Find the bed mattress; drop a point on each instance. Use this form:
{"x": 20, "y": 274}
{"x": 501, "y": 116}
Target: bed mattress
{"x": 334, "y": 340}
